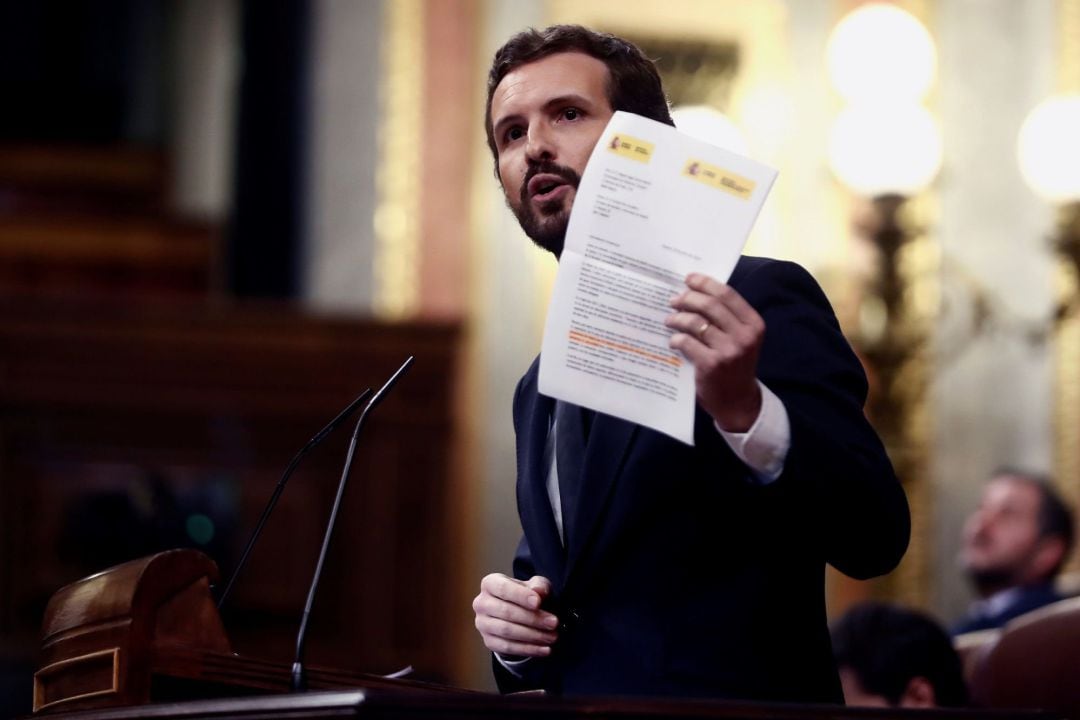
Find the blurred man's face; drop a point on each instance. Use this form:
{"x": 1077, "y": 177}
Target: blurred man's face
{"x": 1001, "y": 538}
{"x": 547, "y": 116}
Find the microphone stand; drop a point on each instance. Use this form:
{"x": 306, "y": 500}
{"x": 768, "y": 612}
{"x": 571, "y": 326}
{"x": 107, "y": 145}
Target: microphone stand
{"x": 318, "y": 438}
{"x": 298, "y": 679}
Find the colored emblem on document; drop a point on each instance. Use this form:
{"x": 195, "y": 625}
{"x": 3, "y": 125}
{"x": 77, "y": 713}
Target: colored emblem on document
{"x": 719, "y": 178}
{"x": 631, "y": 147}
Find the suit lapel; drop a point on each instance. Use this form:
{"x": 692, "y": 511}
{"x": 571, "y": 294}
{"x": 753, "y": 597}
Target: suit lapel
{"x": 534, "y": 507}
{"x": 605, "y": 456}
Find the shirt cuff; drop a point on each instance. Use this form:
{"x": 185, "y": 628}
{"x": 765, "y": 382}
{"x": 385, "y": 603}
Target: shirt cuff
{"x": 513, "y": 664}
{"x": 764, "y": 447}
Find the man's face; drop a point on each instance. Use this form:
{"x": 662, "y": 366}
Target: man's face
{"x": 1001, "y": 537}
{"x": 547, "y": 116}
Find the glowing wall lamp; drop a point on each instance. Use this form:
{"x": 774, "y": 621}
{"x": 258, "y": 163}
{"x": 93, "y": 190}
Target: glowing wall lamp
{"x": 886, "y": 146}
{"x": 879, "y": 51}
{"x": 882, "y": 61}
{"x": 1048, "y": 150}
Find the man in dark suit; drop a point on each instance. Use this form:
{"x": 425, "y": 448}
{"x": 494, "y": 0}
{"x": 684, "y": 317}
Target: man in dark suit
{"x": 1015, "y": 543}
{"x": 649, "y": 566}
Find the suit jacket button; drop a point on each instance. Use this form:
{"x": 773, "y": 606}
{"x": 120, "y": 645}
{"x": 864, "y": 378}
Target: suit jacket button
{"x": 571, "y": 620}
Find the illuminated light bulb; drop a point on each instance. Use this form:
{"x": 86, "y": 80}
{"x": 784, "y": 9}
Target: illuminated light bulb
{"x": 881, "y": 51}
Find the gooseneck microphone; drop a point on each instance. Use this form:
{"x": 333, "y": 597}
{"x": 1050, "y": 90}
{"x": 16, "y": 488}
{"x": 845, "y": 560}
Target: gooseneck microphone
{"x": 318, "y": 438}
{"x": 299, "y": 678}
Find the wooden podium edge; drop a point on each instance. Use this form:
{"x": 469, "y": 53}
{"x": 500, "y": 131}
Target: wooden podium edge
{"x": 62, "y": 666}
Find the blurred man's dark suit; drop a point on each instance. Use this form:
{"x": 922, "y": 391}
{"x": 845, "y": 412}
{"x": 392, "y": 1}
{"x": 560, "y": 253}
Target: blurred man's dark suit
{"x": 1016, "y": 601}
{"x": 684, "y": 575}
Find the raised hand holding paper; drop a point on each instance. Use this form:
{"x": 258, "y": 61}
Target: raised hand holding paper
{"x": 653, "y": 205}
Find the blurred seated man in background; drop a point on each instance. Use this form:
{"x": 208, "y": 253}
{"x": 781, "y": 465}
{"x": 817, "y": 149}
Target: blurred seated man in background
{"x": 1015, "y": 543}
{"x": 892, "y": 657}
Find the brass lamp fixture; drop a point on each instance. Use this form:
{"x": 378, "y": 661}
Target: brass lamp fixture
{"x": 885, "y": 147}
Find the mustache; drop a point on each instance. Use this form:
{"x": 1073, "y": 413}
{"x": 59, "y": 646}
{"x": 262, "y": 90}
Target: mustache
{"x": 548, "y": 168}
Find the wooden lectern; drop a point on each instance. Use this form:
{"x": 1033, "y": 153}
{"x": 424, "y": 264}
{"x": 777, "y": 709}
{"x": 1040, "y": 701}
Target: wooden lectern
{"x": 148, "y": 631}
{"x": 145, "y": 640}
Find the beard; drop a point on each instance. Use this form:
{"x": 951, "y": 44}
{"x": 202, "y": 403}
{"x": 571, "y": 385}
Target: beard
{"x": 988, "y": 581}
{"x": 545, "y": 223}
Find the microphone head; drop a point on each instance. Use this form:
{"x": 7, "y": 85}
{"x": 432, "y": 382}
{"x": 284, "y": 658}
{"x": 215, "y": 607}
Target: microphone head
{"x": 391, "y": 382}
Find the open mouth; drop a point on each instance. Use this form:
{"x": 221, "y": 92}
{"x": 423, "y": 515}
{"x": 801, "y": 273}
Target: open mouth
{"x": 545, "y": 186}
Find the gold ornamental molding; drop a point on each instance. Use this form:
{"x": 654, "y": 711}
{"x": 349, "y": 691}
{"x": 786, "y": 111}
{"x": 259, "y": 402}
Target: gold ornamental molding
{"x": 1067, "y": 345}
{"x": 1069, "y": 46}
{"x": 397, "y": 210}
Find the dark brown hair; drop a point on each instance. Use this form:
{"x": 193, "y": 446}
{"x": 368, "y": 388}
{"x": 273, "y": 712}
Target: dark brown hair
{"x": 633, "y": 84}
{"x": 888, "y": 645}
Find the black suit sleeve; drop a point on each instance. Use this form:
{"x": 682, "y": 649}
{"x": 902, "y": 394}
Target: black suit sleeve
{"x": 837, "y": 483}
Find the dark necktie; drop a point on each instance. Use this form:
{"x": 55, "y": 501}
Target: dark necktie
{"x": 572, "y": 425}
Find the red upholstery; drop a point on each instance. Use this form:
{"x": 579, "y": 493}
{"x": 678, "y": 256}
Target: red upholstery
{"x": 1035, "y": 663}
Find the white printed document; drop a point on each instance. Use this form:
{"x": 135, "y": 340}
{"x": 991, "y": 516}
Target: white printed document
{"x": 653, "y": 205}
